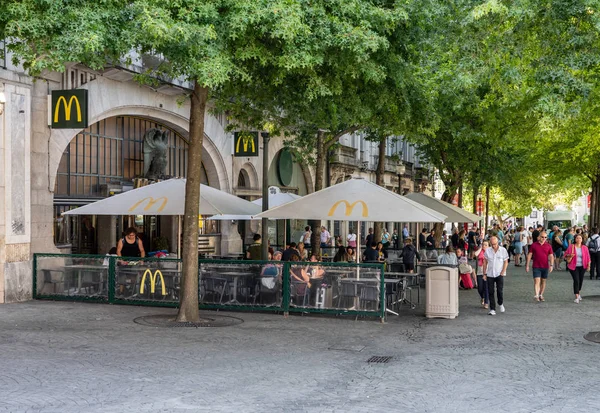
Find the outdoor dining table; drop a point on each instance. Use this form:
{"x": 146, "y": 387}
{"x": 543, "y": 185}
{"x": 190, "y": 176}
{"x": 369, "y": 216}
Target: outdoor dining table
{"x": 236, "y": 275}
{"x": 81, "y": 269}
{"x": 403, "y": 278}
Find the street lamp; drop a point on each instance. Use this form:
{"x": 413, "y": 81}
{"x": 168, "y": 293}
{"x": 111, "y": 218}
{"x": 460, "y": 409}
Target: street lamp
{"x": 265, "y": 196}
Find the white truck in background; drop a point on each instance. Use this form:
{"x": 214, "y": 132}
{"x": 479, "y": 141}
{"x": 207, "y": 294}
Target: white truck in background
{"x": 562, "y": 219}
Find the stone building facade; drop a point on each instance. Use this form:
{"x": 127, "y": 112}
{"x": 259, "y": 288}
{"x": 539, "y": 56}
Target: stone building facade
{"x": 45, "y": 171}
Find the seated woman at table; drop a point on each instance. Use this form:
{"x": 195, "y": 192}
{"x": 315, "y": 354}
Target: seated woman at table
{"x": 341, "y": 255}
{"x": 271, "y": 273}
{"x": 448, "y": 257}
{"x": 302, "y": 251}
{"x": 130, "y": 245}
{"x": 298, "y": 272}
{"x": 350, "y": 254}
{"x": 313, "y": 270}
{"x": 381, "y": 252}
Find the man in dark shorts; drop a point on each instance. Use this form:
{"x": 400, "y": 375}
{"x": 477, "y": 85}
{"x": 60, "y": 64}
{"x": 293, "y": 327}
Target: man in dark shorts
{"x": 540, "y": 251}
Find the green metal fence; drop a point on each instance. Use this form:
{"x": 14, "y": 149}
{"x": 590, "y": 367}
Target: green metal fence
{"x": 332, "y": 288}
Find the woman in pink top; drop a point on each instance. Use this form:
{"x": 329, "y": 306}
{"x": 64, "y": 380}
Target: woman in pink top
{"x": 578, "y": 262}
{"x": 482, "y": 285}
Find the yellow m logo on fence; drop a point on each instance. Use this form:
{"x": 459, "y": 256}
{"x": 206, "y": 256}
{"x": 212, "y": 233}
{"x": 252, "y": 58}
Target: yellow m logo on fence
{"x": 67, "y": 107}
{"x": 246, "y": 141}
{"x": 153, "y": 281}
{"x": 349, "y": 208}
{"x": 151, "y": 202}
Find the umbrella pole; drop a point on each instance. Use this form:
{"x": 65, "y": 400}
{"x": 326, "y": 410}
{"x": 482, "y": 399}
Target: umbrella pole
{"x": 178, "y": 236}
{"x": 358, "y": 242}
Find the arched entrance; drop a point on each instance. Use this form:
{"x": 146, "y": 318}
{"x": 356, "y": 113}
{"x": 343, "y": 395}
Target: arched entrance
{"x": 106, "y": 159}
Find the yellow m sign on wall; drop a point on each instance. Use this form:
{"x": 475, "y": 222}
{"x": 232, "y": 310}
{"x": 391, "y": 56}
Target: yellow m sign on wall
{"x": 349, "y": 208}
{"x": 69, "y": 109}
{"x": 245, "y": 144}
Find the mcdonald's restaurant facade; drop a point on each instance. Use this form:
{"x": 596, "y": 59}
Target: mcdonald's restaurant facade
{"x": 58, "y": 152}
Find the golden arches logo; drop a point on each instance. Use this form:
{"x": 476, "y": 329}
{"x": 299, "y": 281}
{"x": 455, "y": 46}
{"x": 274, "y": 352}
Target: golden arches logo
{"x": 153, "y": 281}
{"x": 246, "y": 141}
{"x": 350, "y": 207}
{"x": 151, "y": 202}
{"x": 67, "y": 107}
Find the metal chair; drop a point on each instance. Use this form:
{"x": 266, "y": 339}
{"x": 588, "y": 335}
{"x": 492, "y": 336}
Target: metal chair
{"x": 347, "y": 290}
{"x": 368, "y": 294}
{"x": 214, "y": 286}
{"x": 299, "y": 289}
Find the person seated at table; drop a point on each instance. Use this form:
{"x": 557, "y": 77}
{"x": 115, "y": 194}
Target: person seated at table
{"x": 130, "y": 245}
{"x": 314, "y": 270}
{"x": 303, "y": 252}
{"x": 271, "y": 273}
{"x": 350, "y": 254}
{"x": 381, "y": 252}
{"x": 291, "y": 251}
{"x": 371, "y": 254}
{"x": 409, "y": 255}
{"x": 448, "y": 257}
{"x": 341, "y": 255}
{"x": 298, "y": 272}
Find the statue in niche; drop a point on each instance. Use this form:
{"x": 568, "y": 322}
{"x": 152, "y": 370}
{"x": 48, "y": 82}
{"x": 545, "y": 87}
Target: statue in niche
{"x": 156, "y": 143}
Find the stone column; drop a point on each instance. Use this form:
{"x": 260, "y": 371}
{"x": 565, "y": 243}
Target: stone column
{"x": 106, "y": 231}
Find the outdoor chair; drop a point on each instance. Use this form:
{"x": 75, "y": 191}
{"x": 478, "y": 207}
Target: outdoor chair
{"x": 215, "y": 287}
{"x": 368, "y": 294}
{"x": 299, "y": 291}
{"x": 264, "y": 291}
{"x": 348, "y": 290}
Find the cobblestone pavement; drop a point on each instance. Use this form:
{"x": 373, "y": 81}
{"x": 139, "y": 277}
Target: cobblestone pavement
{"x": 77, "y": 357}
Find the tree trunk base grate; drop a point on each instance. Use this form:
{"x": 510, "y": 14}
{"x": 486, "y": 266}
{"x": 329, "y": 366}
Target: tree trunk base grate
{"x": 170, "y": 321}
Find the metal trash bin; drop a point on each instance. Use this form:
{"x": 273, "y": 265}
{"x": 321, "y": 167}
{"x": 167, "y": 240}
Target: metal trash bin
{"x": 441, "y": 292}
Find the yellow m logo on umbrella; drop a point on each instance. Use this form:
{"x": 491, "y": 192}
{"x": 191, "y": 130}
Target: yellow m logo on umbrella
{"x": 349, "y": 208}
{"x": 153, "y": 281}
{"x": 151, "y": 202}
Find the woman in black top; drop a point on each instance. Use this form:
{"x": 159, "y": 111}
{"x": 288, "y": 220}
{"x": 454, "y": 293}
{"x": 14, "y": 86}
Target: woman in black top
{"x": 130, "y": 245}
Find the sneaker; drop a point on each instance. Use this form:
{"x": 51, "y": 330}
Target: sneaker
{"x": 576, "y": 300}
{"x": 536, "y": 297}
{"x": 485, "y": 306}
{"x": 502, "y": 309}
{"x": 580, "y": 297}
{"x": 492, "y": 312}
{"x": 542, "y": 298}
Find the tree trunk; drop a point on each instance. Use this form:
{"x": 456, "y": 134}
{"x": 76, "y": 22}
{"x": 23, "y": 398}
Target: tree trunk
{"x": 315, "y": 242}
{"x": 188, "y": 305}
{"x": 379, "y": 173}
{"x": 475, "y": 193}
{"x": 487, "y": 209}
{"x": 595, "y": 202}
{"x": 460, "y": 195}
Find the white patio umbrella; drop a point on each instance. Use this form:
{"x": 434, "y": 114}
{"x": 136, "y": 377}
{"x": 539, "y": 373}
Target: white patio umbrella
{"x": 453, "y": 213}
{"x": 167, "y": 198}
{"x": 354, "y": 200}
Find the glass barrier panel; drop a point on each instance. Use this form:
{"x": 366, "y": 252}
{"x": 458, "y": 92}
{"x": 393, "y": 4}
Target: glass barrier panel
{"x": 241, "y": 283}
{"x": 72, "y": 276}
{"x": 155, "y": 279}
{"x": 335, "y": 286}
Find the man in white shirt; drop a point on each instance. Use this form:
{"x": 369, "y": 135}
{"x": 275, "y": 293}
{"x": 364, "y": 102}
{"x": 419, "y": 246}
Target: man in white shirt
{"x": 325, "y": 237}
{"x": 495, "y": 262}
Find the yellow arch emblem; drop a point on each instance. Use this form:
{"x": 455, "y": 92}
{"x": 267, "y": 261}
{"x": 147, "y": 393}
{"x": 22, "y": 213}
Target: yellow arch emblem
{"x": 350, "y": 208}
{"x": 151, "y": 202}
{"x": 246, "y": 140}
{"x": 153, "y": 281}
{"x": 67, "y": 107}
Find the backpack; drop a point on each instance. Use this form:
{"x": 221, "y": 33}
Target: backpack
{"x": 593, "y": 244}
{"x": 565, "y": 243}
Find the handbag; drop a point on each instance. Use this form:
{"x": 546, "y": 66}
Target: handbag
{"x": 569, "y": 257}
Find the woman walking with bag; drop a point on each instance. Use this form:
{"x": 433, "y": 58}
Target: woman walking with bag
{"x": 482, "y": 288}
{"x": 578, "y": 261}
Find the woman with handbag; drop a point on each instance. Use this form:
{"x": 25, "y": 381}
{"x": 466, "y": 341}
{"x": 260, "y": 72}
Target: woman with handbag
{"x": 578, "y": 261}
{"x": 482, "y": 285}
